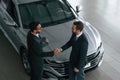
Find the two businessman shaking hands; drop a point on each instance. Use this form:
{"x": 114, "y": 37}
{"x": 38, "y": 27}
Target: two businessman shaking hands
{"x": 78, "y": 56}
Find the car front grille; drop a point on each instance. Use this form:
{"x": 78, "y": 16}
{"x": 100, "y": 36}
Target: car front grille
{"x": 61, "y": 68}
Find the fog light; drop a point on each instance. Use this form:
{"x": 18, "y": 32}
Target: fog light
{"x": 88, "y": 65}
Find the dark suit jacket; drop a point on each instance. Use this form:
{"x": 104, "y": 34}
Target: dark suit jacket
{"x": 78, "y": 56}
{"x": 35, "y": 45}
{"x": 36, "y": 54}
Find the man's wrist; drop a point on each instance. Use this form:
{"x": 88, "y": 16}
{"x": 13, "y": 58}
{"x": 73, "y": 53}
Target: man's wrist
{"x": 61, "y": 49}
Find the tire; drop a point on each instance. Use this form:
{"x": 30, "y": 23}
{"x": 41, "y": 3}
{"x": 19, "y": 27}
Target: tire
{"x": 25, "y": 62}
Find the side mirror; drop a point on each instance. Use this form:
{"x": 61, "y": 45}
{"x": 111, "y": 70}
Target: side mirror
{"x": 15, "y": 26}
{"x": 7, "y": 19}
{"x": 78, "y": 9}
{"x": 10, "y": 22}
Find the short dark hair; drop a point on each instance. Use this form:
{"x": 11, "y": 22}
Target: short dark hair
{"x": 33, "y": 25}
{"x": 79, "y": 25}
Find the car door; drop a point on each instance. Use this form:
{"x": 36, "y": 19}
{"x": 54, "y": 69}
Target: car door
{"x": 11, "y": 28}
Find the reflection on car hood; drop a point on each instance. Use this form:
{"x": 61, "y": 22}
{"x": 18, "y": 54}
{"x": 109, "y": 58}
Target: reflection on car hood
{"x": 59, "y": 34}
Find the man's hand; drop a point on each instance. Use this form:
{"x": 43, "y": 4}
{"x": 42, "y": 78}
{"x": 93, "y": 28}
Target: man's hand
{"x": 46, "y": 40}
{"x": 56, "y": 51}
{"x": 76, "y": 70}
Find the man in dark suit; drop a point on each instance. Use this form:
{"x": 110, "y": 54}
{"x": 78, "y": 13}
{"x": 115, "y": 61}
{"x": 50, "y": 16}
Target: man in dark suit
{"x": 36, "y": 54}
{"x": 78, "y": 56}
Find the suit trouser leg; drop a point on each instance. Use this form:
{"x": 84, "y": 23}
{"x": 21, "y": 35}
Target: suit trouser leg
{"x": 36, "y": 75}
{"x": 36, "y": 71}
{"x": 71, "y": 73}
{"x": 80, "y": 75}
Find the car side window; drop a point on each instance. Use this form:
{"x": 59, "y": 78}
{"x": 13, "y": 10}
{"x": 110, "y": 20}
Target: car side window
{"x": 12, "y": 11}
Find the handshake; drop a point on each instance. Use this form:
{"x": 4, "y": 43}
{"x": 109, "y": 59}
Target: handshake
{"x": 57, "y": 51}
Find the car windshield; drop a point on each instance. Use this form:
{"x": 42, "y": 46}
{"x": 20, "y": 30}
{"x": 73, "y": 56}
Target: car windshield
{"x": 47, "y": 12}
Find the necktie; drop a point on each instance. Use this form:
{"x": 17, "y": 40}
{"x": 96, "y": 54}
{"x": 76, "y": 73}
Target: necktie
{"x": 76, "y": 38}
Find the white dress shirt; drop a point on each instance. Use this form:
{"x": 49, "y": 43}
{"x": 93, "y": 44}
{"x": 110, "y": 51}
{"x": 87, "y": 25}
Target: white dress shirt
{"x": 35, "y": 34}
{"x": 77, "y": 36}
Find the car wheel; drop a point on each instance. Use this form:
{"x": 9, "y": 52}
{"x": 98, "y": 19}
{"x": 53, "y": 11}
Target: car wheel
{"x": 25, "y": 62}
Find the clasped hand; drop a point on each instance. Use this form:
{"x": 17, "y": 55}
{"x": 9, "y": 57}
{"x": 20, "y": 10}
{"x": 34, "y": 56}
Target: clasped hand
{"x": 57, "y": 51}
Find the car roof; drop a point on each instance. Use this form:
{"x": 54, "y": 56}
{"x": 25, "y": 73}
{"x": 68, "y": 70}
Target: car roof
{"x": 24, "y": 1}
